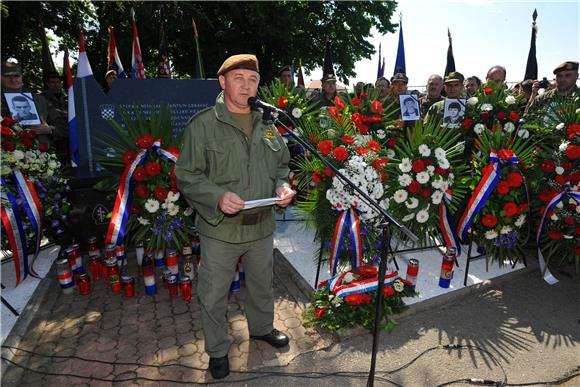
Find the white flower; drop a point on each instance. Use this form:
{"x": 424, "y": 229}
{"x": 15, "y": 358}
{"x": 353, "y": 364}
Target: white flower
{"x": 424, "y": 150}
{"x": 400, "y": 196}
{"x": 143, "y": 221}
{"x": 173, "y": 197}
{"x": 30, "y": 155}
{"x": 188, "y": 211}
{"x": 505, "y": 230}
{"x": 560, "y": 205}
{"x": 437, "y": 183}
{"x": 152, "y": 205}
{"x": 430, "y": 170}
{"x": 479, "y": 128}
{"x": 398, "y": 286}
{"x": 563, "y": 146}
{"x": 390, "y": 153}
{"x": 578, "y": 209}
{"x": 422, "y": 216}
{"x": 472, "y": 101}
{"x": 53, "y": 164}
{"x": 510, "y": 100}
{"x": 523, "y": 133}
{"x": 559, "y": 170}
{"x": 554, "y": 217}
{"x": 405, "y": 180}
{"x": 486, "y": 107}
{"x": 440, "y": 153}
{"x": 18, "y": 154}
{"x": 172, "y": 209}
{"x": 520, "y": 221}
{"x": 381, "y": 134}
{"x": 409, "y": 217}
{"x": 491, "y": 234}
{"x": 443, "y": 163}
{"x": 405, "y": 165}
{"x": 422, "y": 177}
{"x": 412, "y": 203}
{"x": 385, "y": 203}
{"x": 560, "y": 126}
{"x": 436, "y": 197}
{"x": 348, "y": 278}
{"x": 296, "y": 113}
{"x": 509, "y": 127}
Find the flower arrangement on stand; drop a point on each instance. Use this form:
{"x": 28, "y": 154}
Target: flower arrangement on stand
{"x": 148, "y": 207}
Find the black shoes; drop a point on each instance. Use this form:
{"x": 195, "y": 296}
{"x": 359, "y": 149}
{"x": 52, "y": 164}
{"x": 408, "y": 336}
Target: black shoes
{"x": 275, "y": 338}
{"x": 219, "y": 367}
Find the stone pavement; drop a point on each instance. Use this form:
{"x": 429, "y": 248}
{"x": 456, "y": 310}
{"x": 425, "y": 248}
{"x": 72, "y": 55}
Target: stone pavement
{"x": 150, "y": 330}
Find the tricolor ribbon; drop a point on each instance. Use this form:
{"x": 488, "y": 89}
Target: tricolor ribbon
{"x": 122, "y": 208}
{"x": 446, "y": 224}
{"x": 547, "y": 275}
{"x": 346, "y": 220}
{"x": 15, "y": 233}
{"x": 361, "y": 286}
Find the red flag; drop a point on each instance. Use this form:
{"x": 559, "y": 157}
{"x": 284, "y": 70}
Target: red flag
{"x": 137, "y": 67}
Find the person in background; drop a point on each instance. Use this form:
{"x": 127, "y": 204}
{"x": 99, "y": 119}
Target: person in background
{"x": 471, "y": 85}
{"x": 383, "y": 86}
{"x": 566, "y": 78}
{"x": 453, "y": 88}
{"x": 328, "y": 92}
{"x": 496, "y": 75}
{"x": 285, "y": 76}
{"x": 58, "y": 113}
{"x": 434, "y": 88}
{"x": 110, "y": 77}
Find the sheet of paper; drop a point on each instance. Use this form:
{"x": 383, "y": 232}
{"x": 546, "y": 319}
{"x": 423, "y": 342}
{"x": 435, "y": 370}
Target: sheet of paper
{"x": 260, "y": 203}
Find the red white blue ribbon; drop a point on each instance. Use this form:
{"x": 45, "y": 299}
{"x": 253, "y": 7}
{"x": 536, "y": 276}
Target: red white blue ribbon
{"x": 361, "y": 286}
{"x": 15, "y": 233}
{"x": 122, "y": 208}
{"x": 346, "y": 220}
{"x": 446, "y": 224}
{"x": 547, "y": 275}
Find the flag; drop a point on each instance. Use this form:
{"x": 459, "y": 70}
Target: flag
{"x": 48, "y": 66}
{"x": 198, "y": 70}
{"x": 164, "y": 68}
{"x": 380, "y": 69}
{"x": 400, "y": 61}
{"x": 113, "y": 55}
{"x": 83, "y": 66}
{"x": 383, "y": 68}
{"x": 327, "y": 67}
{"x": 72, "y": 121}
{"x": 137, "y": 67}
{"x": 450, "y": 66}
{"x": 300, "y": 81}
{"x": 532, "y": 64}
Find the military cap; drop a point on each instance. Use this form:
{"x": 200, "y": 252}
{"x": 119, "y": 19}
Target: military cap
{"x": 399, "y": 77}
{"x": 241, "y": 61}
{"x": 11, "y": 68}
{"x": 285, "y": 68}
{"x": 454, "y": 76}
{"x": 566, "y": 66}
{"x": 328, "y": 77}
{"x": 110, "y": 72}
{"x": 51, "y": 74}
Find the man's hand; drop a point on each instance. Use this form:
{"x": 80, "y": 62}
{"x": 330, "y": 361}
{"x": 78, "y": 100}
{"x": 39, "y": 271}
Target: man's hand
{"x": 285, "y": 195}
{"x": 230, "y": 203}
{"x": 43, "y": 128}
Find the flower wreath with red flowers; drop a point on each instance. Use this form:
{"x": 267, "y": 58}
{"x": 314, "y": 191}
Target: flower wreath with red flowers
{"x": 22, "y": 150}
{"x": 159, "y": 215}
{"x": 341, "y": 310}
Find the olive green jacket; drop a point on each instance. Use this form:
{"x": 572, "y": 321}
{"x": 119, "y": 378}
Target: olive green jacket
{"x": 216, "y": 157}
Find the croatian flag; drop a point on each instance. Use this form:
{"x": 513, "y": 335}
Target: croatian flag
{"x": 137, "y": 69}
{"x": 113, "y": 55}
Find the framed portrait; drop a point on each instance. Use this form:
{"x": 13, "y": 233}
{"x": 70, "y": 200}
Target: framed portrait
{"x": 454, "y": 112}
{"x": 409, "y": 107}
{"x": 22, "y": 108}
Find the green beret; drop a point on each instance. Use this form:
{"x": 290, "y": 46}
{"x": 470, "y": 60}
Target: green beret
{"x": 566, "y": 66}
{"x": 10, "y": 68}
{"x": 454, "y": 76}
{"x": 399, "y": 77}
{"x": 241, "y": 61}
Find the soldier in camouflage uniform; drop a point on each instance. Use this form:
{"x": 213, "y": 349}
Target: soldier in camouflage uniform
{"x": 434, "y": 88}
{"x": 566, "y": 77}
{"x": 453, "y": 89}
{"x": 57, "y": 113}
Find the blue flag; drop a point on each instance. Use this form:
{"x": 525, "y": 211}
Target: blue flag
{"x": 400, "y": 62}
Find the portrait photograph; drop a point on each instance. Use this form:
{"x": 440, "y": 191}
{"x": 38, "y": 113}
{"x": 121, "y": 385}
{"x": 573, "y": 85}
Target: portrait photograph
{"x": 409, "y": 107}
{"x": 454, "y": 112}
{"x": 22, "y": 108}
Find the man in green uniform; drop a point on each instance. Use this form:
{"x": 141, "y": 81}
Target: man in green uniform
{"x": 566, "y": 77}
{"x": 56, "y": 99}
{"x": 434, "y": 88}
{"x": 453, "y": 88}
{"x": 231, "y": 155}
{"x": 391, "y": 104}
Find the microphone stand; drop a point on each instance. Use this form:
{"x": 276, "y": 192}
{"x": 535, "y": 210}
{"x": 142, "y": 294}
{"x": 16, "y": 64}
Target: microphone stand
{"x": 385, "y": 236}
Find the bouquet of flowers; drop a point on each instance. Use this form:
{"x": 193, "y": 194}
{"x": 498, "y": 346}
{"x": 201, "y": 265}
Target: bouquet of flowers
{"x": 426, "y": 180}
{"x": 338, "y": 306}
{"x": 144, "y": 155}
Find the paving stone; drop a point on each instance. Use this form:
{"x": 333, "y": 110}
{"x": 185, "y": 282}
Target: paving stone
{"x": 167, "y": 355}
{"x": 106, "y": 344}
{"x": 167, "y": 342}
{"x": 71, "y": 332}
{"x": 128, "y": 329}
{"x": 184, "y": 338}
{"x": 126, "y": 352}
{"x": 146, "y": 316}
{"x": 238, "y": 325}
{"x": 187, "y": 349}
{"x": 180, "y": 308}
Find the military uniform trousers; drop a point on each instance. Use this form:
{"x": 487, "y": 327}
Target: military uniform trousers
{"x": 216, "y": 273}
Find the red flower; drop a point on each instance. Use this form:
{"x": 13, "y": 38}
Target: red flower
{"x": 319, "y": 312}
{"x": 153, "y": 168}
{"x": 363, "y": 129}
{"x": 135, "y": 210}
{"x": 510, "y": 209}
{"x": 361, "y": 151}
{"x": 356, "y": 118}
{"x": 514, "y": 116}
{"x": 384, "y": 176}
{"x": 128, "y": 156}
{"x": 575, "y": 178}
{"x": 8, "y": 146}
{"x": 467, "y": 123}
{"x": 388, "y": 291}
{"x": 373, "y": 145}
{"x": 573, "y": 130}
{"x": 555, "y": 235}
{"x": 325, "y": 147}
{"x": 31, "y": 134}
{"x": 333, "y": 112}
{"x": 347, "y": 139}
{"x": 317, "y": 177}
{"x": 43, "y": 147}
{"x": 328, "y": 172}
{"x": 573, "y": 151}
{"x": 567, "y": 165}
{"x": 514, "y": 179}
{"x": 338, "y": 103}
{"x": 353, "y": 299}
{"x": 414, "y": 187}
{"x": 8, "y": 121}
{"x": 340, "y": 153}
{"x": 569, "y": 220}
{"x": 366, "y": 298}
{"x": 145, "y": 141}
{"x": 21, "y": 134}
{"x": 522, "y": 208}
{"x": 283, "y": 102}
{"x": 484, "y": 116}
{"x": 363, "y": 95}
{"x": 140, "y": 174}
{"x": 489, "y": 221}
{"x": 141, "y": 191}
{"x": 355, "y": 102}
{"x": 562, "y": 179}
{"x": 503, "y": 188}
{"x": 171, "y": 173}
{"x": 391, "y": 142}
{"x": 426, "y": 192}
{"x": 160, "y": 193}
{"x": 379, "y": 163}
{"x": 548, "y": 166}
{"x": 501, "y": 116}
{"x": 418, "y": 166}
{"x": 505, "y": 154}
{"x": 367, "y": 271}
{"x": 441, "y": 171}
{"x": 488, "y": 90}
{"x": 28, "y": 143}
{"x": 376, "y": 106}
{"x": 7, "y": 132}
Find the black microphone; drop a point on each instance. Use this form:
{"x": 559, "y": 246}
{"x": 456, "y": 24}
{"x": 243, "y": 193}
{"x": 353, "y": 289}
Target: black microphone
{"x": 257, "y": 103}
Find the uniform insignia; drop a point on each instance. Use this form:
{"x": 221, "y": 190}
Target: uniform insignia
{"x": 270, "y": 134}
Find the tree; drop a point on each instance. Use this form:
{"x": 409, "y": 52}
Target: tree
{"x": 278, "y": 33}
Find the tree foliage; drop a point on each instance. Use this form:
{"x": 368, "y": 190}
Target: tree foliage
{"x": 278, "y": 33}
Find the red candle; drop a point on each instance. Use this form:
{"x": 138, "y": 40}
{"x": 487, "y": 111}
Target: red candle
{"x": 185, "y": 287}
{"x": 95, "y": 267}
{"x": 172, "y": 285}
{"x": 128, "y": 286}
{"x": 84, "y": 284}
